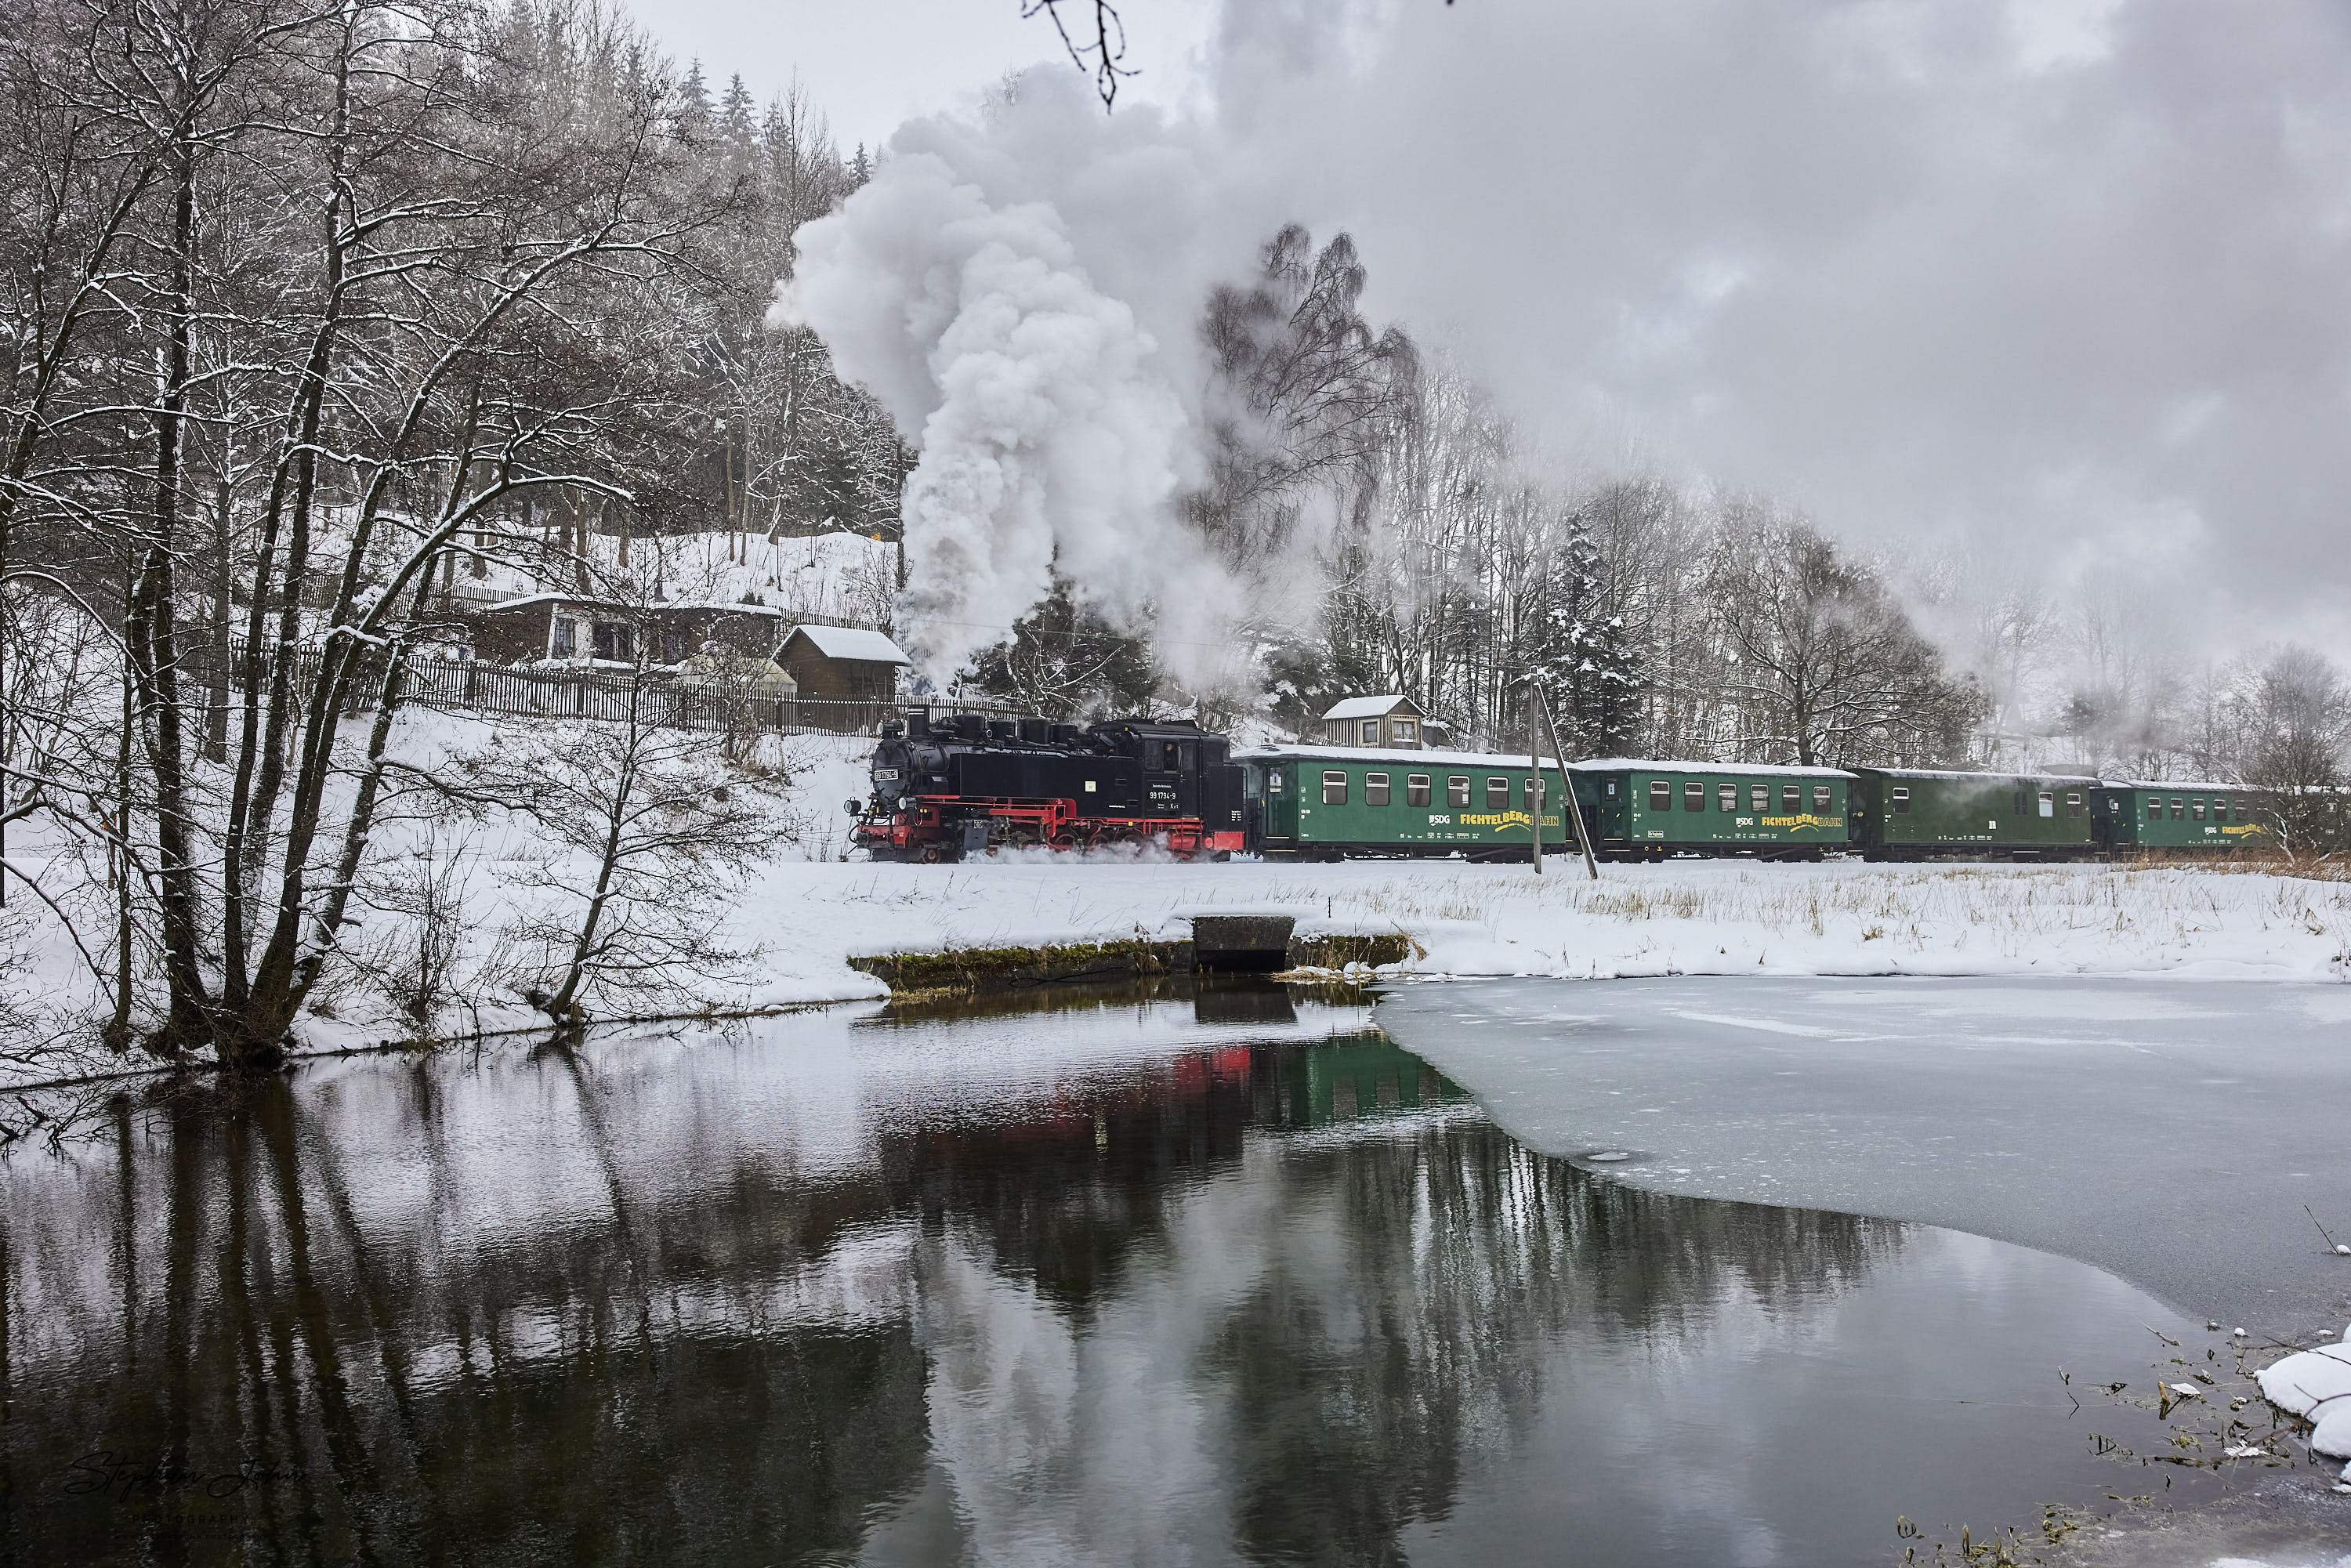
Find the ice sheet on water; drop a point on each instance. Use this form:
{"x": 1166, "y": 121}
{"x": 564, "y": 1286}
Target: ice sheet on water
{"x": 2180, "y": 1157}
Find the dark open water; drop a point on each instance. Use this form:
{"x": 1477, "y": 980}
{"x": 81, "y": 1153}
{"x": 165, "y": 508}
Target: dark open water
{"x": 1188, "y": 1281}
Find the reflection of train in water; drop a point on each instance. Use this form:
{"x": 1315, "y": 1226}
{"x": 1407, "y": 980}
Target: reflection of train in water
{"x": 948, "y": 787}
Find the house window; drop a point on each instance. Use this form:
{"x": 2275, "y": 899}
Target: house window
{"x": 1791, "y": 797}
{"x": 1759, "y": 797}
{"x": 1821, "y": 796}
{"x": 615, "y": 639}
{"x": 673, "y": 648}
{"x": 2073, "y": 805}
{"x": 1376, "y": 789}
{"x": 1901, "y": 802}
{"x": 1415, "y": 789}
{"x": 1661, "y": 795}
{"x": 561, "y": 646}
{"x": 1368, "y": 732}
{"x": 1693, "y": 797}
{"x": 1726, "y": 795}
{"x": 1497, "y": 794}
{"x": 1404, "y": 732}
{"x": 1334, "y": 788}
{"x": 1457, "y": 792}
{"x": 2048, "y": 803}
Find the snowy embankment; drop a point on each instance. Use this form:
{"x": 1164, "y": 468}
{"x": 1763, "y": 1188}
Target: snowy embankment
{"x": 1694, "y": 917}
{"x": 2317, "y": 1385}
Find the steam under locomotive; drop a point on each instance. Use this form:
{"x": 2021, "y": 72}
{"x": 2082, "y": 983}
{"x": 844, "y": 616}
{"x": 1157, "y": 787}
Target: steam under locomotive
{"x": 954, "y": 786}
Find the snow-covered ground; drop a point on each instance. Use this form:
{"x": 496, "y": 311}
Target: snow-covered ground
{"x": 802, "y": 913}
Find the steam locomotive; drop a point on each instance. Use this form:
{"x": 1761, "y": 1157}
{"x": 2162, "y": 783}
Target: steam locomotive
{"x": 962, "y": 785}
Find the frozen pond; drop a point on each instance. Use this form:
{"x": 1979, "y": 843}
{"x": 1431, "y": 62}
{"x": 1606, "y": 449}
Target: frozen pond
{"x": 1231, "y": 1277}
{"x": 2171, "y": 1132}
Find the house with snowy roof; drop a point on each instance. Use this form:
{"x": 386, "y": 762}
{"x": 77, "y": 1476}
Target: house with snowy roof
{"x": 1389, "y": 721}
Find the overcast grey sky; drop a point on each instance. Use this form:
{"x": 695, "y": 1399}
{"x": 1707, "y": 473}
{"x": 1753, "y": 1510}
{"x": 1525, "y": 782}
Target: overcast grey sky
{"x": 2066, "y": 281}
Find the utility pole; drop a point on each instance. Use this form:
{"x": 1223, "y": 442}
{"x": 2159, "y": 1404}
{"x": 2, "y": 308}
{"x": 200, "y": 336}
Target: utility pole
{"x": 1534, "y": 772}
{"x": 1572, "y": 818}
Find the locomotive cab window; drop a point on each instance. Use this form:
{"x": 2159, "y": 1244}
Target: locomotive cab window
{"x": 1457, "y": 792}
{"x": 1415, "y": 789}
{"x": 1693, "y": 797}
{"x": 1726, "y": 795}
{"x": 1497, "y": 794}
{"x": 1821, "y": 796}
{"x": 1376, "y": 789}
{"x": 1791, "y": 797}
{"x": 1661, "y": 795}
{"x": 1901, "y": 802}
{"x": 1334, "y": 788}
{"x": 2048, "y": 803}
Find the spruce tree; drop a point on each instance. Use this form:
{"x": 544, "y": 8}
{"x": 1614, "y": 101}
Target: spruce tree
{"x": 1589, "y": 663}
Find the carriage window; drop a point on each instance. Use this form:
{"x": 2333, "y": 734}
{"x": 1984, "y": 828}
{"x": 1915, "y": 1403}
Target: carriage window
{"x": 2073, "y": 805}
{"x": 2179, "y": 809}
{"x": 2196, "y": 808}
{"x": 1791, "y": 797}
{"x": 2048, "y": 803}
{"x": 1901, "y": 802}
{"x": 1457, "y": 792}
{"x": 1334, "y": 788}
{"x": 1661, "y": 795}
{"x": 1415, "y": 789}
{"x": 1368, "y": 732}
{"x": 1761, "y": 796}
{"x": 1727, "y": 797}
{"x": 1273, "y": 783}
{"x": 1497, "y": 794}
{"x": 1376, "y": 789}
{"x": 1693, "y": 797}
{"x": 1820, "y": 797}
{"x": 1533, "y": 791}
{"x": 2154, "y": 808}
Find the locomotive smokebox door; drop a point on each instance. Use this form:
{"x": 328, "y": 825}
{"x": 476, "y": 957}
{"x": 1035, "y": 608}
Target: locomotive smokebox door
{"x": 975, "y": 838}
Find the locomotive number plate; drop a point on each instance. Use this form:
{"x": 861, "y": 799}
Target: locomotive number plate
{"x": 885, "y": 775}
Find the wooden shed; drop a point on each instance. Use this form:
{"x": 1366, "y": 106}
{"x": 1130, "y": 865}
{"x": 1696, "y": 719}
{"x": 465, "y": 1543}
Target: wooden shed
{"x": 1392, "y": 721}
{"x": 842, "y": 663}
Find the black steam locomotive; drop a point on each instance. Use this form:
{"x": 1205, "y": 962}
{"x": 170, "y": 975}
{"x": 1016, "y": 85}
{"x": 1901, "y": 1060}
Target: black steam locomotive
{"x": 961, "y": 785}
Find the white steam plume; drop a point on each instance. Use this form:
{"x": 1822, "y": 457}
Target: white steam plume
{"x": 1050, "y": 428}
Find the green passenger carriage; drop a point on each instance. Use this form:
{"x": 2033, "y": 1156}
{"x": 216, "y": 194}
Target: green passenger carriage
{"x": 1648, "y": 810}
{"x": 1316, "y": 803}
{"x": 2159, "y": 817}
{"x": 1901, "y": 813}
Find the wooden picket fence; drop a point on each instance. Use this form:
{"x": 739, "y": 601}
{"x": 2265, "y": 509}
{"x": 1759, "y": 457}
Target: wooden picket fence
{"x": 468, "y": 686}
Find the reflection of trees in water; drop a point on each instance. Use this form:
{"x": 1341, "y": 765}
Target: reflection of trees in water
{"x": 1353, "y": 1297}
